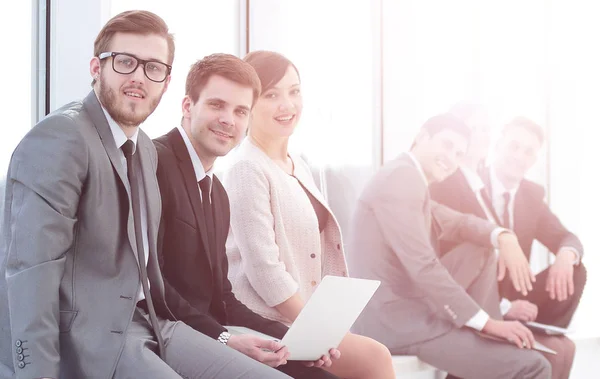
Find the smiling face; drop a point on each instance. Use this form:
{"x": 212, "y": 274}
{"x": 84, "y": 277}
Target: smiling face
{"x": 440, "y": 154}
{"x": 516, "y": 152}
{"x": 218, "y": 120}
{"x": 130, "y": 98}
{"x": 279, "y": 108}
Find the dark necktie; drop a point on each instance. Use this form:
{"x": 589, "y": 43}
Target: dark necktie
{"x": 137, "y": 221}
{"x": 208, "y": 212}
{"x": 506, "y": 215}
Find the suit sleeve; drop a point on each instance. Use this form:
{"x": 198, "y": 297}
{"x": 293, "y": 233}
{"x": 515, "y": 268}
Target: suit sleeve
{"x": 461, "y": 227}
{"x": 398, "y": 209}
{"x": 179, "y": 306}
{"x": 553, "y": 234}
{"x": 240, "y": 315}
{"x": 46, "y": 175}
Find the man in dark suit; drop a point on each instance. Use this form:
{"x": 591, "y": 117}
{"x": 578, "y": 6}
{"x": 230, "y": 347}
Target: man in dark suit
{"x": 221, "y": 90}
{"x": 85, "y": 294}
{"x": 506, "y": 197}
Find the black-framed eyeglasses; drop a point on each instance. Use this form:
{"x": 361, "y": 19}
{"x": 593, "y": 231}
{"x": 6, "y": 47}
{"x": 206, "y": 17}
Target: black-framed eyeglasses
{"x": 125, "y": 64}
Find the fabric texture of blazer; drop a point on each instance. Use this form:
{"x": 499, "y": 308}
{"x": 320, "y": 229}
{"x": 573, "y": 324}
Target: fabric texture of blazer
{"x": 533, "y": 219}
{"x": 198, "y": 290}
{"x": 70, "y": 255}
{"x": 394, "y": 231}
{"x": 275, "y": 248}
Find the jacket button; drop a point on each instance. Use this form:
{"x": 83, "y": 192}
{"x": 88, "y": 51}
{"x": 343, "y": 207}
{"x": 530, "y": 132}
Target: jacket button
{"x": 338, "y": 246}
{"x": 313, "y": 283}
{"x": 344, "y": 273}
{"x": 18, "y": 343}
{"x": 20, "y": 357}
{"x": 21, "y": 364}
{"x": 19, "y": 350}
{"x": 313, "y": 255}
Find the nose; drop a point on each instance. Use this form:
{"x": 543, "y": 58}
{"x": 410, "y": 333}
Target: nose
{"x": 226, "y": 118}
{"x": 286, "y": 104}
{"x": 138, "y": 74}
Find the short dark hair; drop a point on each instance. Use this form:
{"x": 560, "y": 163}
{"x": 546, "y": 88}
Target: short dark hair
{"x": 270, "y": 67}
{"x": 446, "y": 121}
{"x": 527, "y": 124}
{"x": 226, "y": 65}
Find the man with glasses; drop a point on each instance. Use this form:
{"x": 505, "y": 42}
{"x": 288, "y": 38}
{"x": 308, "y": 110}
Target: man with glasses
{"x": 85, "y": 292}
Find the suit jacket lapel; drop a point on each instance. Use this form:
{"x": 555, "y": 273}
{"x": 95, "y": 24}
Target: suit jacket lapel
{"x": 486, "y": 194}
{"x": 308, "y": 183}
{"x": 189, "y": 177}
{"x": 470, "y": 199}
{"x": 519, "y": 221}
{"x": 94, "y": 109}
{"x": 97, "y": 115}
{"x": 218, "y": 209}
{"x": 431, "y": 224}
{"x": 151, "y": 192}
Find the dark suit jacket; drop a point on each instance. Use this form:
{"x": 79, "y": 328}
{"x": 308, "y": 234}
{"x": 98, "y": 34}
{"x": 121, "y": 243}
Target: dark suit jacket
{"x": 533, "y": 219}
{"x": 198, "y": 291}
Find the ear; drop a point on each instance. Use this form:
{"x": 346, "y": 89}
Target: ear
{"x": 186, "y": 106}
{"x": 95, "y": 68}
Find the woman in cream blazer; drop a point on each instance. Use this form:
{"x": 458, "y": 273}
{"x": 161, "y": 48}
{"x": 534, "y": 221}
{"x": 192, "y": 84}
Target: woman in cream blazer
{"x": 283, "y": 237}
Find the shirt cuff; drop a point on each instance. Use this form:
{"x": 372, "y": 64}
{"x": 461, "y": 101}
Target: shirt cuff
{"x": 496, "y": 234}
{"x": 577, "y": 253}
{"x": 478, "y": 321}
{"x": 505, "y": 306}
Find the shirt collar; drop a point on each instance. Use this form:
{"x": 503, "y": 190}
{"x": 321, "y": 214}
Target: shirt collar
{"x": 419, "y": 167}
{"x": 118, "y": 133}
{"x": 473, "y": 179}
{"x": 498, "y": 188}
{"x": 198, "y": 167}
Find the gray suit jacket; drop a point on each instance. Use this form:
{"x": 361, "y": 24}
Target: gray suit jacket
{"x": 391, "y": 241}
{"x": 69, "y": 251}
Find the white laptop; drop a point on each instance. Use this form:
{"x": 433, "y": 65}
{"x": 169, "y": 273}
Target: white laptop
{"x": 326, "y": 318}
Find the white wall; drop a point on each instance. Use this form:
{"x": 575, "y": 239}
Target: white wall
{"x": 74, "y": 27}
{"x": 17, "y": 74}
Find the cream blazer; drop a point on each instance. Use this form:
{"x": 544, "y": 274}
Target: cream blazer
{"x": 274, "y": 246}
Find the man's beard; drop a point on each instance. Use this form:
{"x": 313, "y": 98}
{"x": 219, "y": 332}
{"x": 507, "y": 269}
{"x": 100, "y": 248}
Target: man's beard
{"x": 124, "y": 115}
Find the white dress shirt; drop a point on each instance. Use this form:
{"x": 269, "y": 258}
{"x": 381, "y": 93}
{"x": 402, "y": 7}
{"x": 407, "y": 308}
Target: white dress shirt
{"x": 480, "y": 318}
{"x": 498, "y": 191}
{"x": 120, "y": 139}
{"x": 198, "y": 167}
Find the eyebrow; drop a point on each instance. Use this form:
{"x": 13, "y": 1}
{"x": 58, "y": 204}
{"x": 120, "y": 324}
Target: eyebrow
{"x": 292, "y": 86}
{"x": 138, "y": 57}
{"x": 221, "y": 101}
